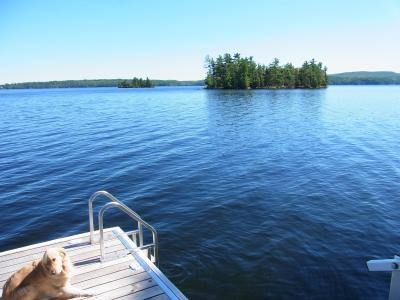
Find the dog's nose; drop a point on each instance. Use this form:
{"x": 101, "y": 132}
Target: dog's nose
{"x": 53, "y": 272}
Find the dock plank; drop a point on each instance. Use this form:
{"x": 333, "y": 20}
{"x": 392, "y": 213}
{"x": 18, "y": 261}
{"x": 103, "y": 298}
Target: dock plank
{"x": 104, "y": 287}
{"x": 144, "y": 294}
{"x": 139, "y": 288}
{"x": 68, "y": 243}
{"x": 101, "y": 271}
{"x": 72, "y": 252}
{"x": 99, "y": 265}
{"x": 90, "y": 282}
{"x": 160, "y": 297}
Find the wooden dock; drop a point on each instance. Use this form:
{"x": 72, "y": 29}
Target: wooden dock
{"x": 126, "y": 273}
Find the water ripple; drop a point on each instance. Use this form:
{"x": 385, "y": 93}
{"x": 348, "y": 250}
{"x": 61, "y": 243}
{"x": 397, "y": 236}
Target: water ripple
{"x": 261, "y": 194}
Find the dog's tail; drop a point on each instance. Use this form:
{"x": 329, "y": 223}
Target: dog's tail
{"x": 14, "y": 285}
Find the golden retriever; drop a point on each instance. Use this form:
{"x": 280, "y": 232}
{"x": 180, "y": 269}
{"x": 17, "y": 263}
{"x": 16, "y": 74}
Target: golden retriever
{"x": 46, "y": 279}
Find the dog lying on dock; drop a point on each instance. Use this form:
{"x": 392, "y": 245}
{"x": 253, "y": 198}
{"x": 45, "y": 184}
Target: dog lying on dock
{"x": 46, "y": 279}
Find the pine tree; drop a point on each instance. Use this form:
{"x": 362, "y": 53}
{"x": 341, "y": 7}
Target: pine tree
{"x": 148, "y": 83}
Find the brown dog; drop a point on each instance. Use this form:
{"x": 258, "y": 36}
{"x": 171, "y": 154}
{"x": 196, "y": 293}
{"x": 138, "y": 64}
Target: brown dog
{"x": 46, "y": 279}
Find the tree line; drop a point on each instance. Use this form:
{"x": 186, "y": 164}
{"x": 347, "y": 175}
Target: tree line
{"x": 236, "y": 72}
{"x": 365, "y": 78}
{"x": 84, "y": 83}
{"x": 136, "y": 83}
{"x": 90, "y": 83}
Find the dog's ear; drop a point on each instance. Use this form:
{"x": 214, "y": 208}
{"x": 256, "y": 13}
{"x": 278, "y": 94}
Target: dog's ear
{"x": 44, "y": 258}
{"x": 65, "y": 260}
{"x": 62, "y": 252}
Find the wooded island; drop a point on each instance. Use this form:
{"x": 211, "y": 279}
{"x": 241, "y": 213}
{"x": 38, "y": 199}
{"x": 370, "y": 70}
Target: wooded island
{"x": 236, "y": 72}
{"x": 136, "y": 83}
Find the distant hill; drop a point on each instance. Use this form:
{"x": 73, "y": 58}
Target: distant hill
{"x": 93, "y": 83}
{"x": 364, "y": 77}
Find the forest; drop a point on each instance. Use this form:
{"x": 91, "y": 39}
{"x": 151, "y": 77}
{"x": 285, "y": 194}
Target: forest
{"x": 136, "y": 83}
{"x": 365, "y": 78}
{"x": 91, "y": 83}
{"x": 236, "y": 72}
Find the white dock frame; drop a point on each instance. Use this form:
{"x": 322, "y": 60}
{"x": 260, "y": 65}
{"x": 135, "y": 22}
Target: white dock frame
{"x": 388, "y": 265}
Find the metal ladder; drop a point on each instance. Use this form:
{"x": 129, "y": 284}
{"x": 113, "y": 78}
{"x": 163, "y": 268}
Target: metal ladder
{"x": 137, "y": 235}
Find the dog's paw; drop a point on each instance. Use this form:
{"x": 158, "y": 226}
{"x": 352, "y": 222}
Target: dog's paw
{"x": 88, "y": 294}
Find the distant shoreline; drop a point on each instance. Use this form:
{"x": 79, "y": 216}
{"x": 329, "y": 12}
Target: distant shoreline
{"x": 91, "y": 83}
{"x": 203, "y": 86}
{"x": 365, "y": 78}
{"x": 196, "y": 85}
{"x": 347, "y": 78}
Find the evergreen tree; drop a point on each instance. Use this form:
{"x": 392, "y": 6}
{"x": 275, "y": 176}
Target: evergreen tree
{"x": 148, "y": 83}
{"x": 123, "y": 84}
{"x": 244, "y": 79}
{"x": 289, "y": 76}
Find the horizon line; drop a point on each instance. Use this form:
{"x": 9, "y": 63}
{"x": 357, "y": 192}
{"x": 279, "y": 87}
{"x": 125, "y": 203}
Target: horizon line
{"x": 59, "y": 80}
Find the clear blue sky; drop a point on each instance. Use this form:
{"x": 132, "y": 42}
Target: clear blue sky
{"x": 71, "y": 39}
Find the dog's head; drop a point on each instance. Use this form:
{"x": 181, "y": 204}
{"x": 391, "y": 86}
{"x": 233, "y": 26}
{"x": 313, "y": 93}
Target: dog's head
{"x": 54, "y": 261}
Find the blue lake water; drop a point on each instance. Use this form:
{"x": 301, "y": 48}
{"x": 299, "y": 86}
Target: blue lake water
{"x": 255, "y": 194}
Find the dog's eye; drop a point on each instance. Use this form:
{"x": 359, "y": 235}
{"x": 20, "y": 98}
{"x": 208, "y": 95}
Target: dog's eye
{"x": 53, "y": 259}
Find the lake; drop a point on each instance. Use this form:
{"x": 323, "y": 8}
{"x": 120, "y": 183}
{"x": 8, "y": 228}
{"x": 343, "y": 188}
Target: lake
{"x": 264, "y": 194}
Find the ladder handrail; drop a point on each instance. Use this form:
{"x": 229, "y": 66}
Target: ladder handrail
{"x": 135, "y": 217}
{"x": 111, "y": 198}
